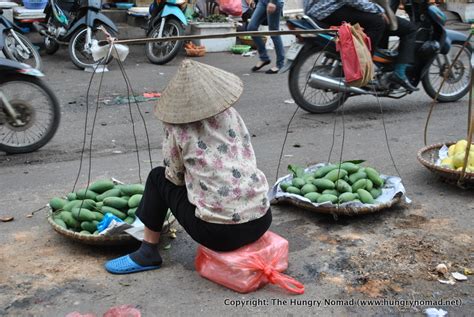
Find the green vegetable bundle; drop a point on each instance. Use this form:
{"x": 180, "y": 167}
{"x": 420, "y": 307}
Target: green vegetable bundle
{"x": 336, "y": 183}
{"x": 84, "y": 209}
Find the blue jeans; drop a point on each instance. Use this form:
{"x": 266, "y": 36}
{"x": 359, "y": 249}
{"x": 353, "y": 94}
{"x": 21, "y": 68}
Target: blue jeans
{"x": 273, "y": 19}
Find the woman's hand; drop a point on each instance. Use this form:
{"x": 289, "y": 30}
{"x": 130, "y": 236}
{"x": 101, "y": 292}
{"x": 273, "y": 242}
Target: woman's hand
{"x": 271, "y": 7}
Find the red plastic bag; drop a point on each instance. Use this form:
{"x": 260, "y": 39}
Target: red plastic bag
{"x": 250, "y": 267}
{"x": 231, "y": 7}
{"x": 354, "y": 47}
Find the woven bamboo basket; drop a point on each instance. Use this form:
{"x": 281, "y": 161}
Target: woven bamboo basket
{"x": 428, "y": 156}
{"x": 340, "y": 210}
{"x": 120, "y": 239}
{"x": 196, "y": 52}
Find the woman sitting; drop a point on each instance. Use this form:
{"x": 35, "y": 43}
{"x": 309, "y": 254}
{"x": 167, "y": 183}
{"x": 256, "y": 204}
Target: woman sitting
{"x": 210, "y": 180}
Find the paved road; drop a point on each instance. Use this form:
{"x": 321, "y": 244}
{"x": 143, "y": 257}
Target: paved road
{"x": 386, "y": 255}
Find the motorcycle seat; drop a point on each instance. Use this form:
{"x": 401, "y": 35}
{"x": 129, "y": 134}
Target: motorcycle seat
{"x": 384, "y": 56}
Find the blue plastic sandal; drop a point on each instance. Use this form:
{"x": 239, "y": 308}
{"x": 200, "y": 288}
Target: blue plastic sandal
{"x": 125, "y": 265}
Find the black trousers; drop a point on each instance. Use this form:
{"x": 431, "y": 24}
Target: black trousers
{"x": 161, "y": 194}
{"x": 407, "y": 33}
{"x": 374, "y": 24}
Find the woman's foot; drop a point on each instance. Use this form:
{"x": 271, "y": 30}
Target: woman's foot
{"x": 273, "y": 70}
{"x": 260, "y": 65}
{"x": 145, "y": 258}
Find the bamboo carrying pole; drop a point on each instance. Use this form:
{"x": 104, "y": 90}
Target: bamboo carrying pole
{"x": 470, "y": 127}
{"x": 216, "y": 36}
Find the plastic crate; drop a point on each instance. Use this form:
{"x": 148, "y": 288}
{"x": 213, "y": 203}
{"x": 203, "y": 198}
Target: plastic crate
{"x": 35, "y": 4}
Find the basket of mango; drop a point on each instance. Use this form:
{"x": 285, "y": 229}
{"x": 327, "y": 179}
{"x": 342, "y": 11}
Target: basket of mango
{"x": 448, "y": 160}
{"x": 77, "y": 215}
{"x": 347, "y": 188}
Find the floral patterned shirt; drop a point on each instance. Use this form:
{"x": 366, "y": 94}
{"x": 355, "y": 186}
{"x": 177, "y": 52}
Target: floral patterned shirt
{"x": 216, "y": 161}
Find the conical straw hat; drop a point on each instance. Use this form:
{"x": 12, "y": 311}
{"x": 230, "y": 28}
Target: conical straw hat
{"x": 197, "y": 91}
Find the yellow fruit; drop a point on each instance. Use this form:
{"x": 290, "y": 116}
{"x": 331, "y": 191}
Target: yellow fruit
{"x": 451, "y": 150}
{"x": 459, "y": 169}
{"x": 447, "y": 162}
{"x": 460, "y": 146}
{"x": 458, "y": 160}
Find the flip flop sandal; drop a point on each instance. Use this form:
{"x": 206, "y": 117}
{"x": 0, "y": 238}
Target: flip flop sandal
{"x": 125, "y": 265}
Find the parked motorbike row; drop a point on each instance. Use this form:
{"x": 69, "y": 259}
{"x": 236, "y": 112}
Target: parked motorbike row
{"x": 316, "y": 79}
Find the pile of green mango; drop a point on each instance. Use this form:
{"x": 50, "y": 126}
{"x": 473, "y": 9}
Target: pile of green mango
{"x": 82, "y": 210}
{"x": 336, "y": 183}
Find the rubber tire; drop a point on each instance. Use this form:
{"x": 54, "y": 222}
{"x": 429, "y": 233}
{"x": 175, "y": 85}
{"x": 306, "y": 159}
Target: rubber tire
{"x": 77, "y": 62}
{"x": 55, "y": 122}
{"x": 179, "y": 44}
{"x": 307, "y": 52}
{"x": 431, "y": 91}
{"x": 53, "y": 48}
{"x": 8, "y": 54}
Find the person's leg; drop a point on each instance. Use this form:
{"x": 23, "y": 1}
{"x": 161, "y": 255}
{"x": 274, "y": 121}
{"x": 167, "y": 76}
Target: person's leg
{"x": 274, "y": 25}
{"x": 224, "y": 238}
{"x": 407, "y": 34}
{"x": 406, "y": 52}
{"x": 258, "y": 16}
{"x": 152, "y": 212}
{"x": 373, "y": 24}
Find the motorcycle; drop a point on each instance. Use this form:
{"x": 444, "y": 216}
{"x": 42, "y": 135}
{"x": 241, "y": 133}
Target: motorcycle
{"x": 166, "y": 19}
{"x": 29, "y": 110}
{"x": 77, "y": 24}
{"x": 316, "y": 79}
{"x": 15, "y": 46}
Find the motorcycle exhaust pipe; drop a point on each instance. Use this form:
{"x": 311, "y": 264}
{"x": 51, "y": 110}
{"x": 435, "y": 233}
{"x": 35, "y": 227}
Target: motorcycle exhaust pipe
{"x": 322, "y": 82}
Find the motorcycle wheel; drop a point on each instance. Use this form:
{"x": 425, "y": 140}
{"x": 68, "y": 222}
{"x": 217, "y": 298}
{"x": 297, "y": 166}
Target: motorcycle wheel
{"x": 311, "y": 99}
{"x": 458, "y": 83}
{"x": 13, "y": 50}
{"x": 50, "y": 46}
{"x": 81, "y": 56}
{"x": 38, "y": 109}
{"x": 162, "y": 52}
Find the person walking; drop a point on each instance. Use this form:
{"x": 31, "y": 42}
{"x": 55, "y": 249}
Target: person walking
{"x": 269, "y": 10}
{"x": 210, "y": 180}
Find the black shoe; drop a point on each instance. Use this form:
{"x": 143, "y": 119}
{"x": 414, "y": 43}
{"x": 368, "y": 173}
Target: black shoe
{"x": 405, "y": 83}
{"x": 255, "y": 68}
{"x": 272, "y": 71}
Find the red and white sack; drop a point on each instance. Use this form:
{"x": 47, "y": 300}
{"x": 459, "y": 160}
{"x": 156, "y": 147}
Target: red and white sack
{"x": 354, "y": 46}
